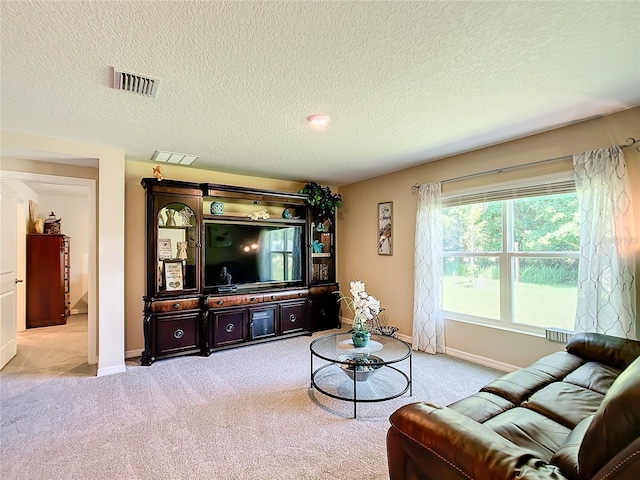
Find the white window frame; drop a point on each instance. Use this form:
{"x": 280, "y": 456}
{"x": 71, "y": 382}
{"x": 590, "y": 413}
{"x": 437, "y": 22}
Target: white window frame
{"x": 505, "y": 258}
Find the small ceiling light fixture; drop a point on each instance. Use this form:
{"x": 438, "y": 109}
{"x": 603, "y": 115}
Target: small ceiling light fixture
{"x": 319, "y": 119}
{"x": 172, "y": 157}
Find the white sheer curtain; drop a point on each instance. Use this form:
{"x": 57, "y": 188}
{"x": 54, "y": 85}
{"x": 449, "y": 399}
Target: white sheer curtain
{"x": 428, "y": 324}
{"x": 606, "y": 273}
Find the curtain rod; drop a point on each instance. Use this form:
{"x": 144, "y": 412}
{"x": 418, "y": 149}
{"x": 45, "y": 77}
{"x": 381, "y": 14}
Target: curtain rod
{"x": 416, "y": 186}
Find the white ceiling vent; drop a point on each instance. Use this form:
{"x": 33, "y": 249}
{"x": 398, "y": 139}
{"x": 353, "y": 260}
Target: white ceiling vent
{"x": 173, "y": 157}
{"x": 132, "y": 82}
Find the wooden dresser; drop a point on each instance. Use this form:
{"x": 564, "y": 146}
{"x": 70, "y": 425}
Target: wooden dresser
{"x": 47, "y": 280}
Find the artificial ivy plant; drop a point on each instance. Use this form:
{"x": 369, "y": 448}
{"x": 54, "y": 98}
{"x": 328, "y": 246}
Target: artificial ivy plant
{"x": 321, "y": 197}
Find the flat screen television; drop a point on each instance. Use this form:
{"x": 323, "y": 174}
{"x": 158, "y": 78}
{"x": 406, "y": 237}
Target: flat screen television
{"x": 252, "y": 254}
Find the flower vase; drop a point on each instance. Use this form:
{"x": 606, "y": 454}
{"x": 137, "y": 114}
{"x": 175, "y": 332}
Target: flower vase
{"x": 360, "y": 335}
{"x": 360, "y": 338}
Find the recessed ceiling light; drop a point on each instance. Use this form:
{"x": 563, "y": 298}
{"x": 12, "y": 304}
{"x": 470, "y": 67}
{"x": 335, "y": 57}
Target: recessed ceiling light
{"x": 319, "y": 119}
{"x": 172, "y": 157}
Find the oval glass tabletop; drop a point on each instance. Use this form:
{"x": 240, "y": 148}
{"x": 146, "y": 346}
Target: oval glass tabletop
{"x": 339, "y": 346}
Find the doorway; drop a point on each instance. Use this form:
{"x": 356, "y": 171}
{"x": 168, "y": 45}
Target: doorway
{"x": 85, "y": 189}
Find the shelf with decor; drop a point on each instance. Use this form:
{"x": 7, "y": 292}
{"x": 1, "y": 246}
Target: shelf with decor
{"x": 322, "y": 259}
{"x": 244, "y": 218}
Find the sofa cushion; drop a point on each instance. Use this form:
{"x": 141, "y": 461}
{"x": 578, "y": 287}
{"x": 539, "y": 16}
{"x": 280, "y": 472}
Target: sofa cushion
{"x": 613, "y": 351}
{"x": 594, "y": 376}
{"x": 615, "y": 425}
{"x": 565, "y": 403}
{"x": 558, "y": 364}
{"x": 529, "y": 430}
{"x": 566, "y": 457}
{"x": 519, "y": 385}
{"x": 481, "y": 406}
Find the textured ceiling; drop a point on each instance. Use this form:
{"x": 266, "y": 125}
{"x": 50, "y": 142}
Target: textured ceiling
{"x": 404, "y": 82}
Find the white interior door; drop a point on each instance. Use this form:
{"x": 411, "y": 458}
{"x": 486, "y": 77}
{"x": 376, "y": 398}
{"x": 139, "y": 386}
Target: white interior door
{"x": 8, "y": 273}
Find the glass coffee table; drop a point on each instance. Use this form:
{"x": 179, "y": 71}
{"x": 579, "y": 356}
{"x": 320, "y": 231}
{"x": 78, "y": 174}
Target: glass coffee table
{"x": 361, "y": 374}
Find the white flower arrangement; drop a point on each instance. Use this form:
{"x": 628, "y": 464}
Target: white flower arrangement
{"x": 364, "y": 306}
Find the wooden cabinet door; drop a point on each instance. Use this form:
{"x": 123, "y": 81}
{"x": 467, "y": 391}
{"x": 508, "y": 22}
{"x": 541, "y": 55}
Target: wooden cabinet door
{"x": 178, "y": 333}
{"x": 292, "y": 318}
{"x": 227, "y": 327}
{"x": 46, "y": 289}
{"x": 324, "y": 312}
{"x": 262, "y": 322}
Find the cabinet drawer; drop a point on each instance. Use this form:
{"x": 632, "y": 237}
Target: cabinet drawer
{"x": 323, "y": 290}
{"x": 233, "y": 300}
{"x": 228, "y": 327}
{"x": 286, "y": 295}
{"x": 177, "y": 333}
{"x": 175, "y": 305}
{"x": 292, "y": 318}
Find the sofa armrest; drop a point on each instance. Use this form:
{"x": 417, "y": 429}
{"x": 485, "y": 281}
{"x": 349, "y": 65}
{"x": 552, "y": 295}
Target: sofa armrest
{"x": 456, "y": 446}
{"x": 613, "y": 351}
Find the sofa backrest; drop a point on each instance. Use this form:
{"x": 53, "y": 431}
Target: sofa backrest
{"x": 615, "y": 425}
{"x": 613, "y": 351}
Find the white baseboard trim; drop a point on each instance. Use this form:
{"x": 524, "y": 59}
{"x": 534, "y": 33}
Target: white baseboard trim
{"x": 487, "y": 362}
{"x": 75, "y": 311}
{"x": 405, "y": 338}
{"x": 111, "y": 370}
{"x": 133, "y": 353}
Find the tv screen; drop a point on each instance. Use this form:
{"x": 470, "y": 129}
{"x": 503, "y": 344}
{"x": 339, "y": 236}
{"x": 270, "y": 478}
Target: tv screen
{"x": 251, "y": 253}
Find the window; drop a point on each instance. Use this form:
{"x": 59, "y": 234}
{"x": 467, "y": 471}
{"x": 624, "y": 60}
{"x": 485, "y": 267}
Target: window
{"x": 281, "y": 245}
{"x": 511, "y": 257}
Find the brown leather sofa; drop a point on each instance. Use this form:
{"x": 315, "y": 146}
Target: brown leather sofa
{"x": 571, "y": 415}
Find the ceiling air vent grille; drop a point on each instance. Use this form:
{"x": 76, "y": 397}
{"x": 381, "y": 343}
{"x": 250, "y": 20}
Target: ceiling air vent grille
{"x": 132, "y": 82}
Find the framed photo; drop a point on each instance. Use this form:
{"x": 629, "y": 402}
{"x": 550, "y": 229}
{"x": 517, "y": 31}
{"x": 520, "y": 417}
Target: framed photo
{"x": 173, "y": 275}
{"x": 385, "y": 228}
{"x": 164, "y": 248}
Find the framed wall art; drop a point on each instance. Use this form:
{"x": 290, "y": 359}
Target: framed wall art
{"x": 385, "y": 228}
{"x": 173, "y": 278}
{"x": 164, "y": 248}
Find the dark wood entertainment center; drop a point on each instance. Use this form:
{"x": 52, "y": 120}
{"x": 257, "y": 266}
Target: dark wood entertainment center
{"x": 202, "y": 292}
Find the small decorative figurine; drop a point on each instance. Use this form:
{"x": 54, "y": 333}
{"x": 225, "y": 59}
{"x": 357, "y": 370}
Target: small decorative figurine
{"x": 182, "y": 250}
{"x": 317, "y": 246}
{"x": 157, "y": 172}
{"x": 286, "y": 213}
{"x": 52, "y": 225}
{"x": 225, "y": 278}
{"x": 260, "y": 215}
{"x": 186, "y": 214}
{"x": 171, "y": 221}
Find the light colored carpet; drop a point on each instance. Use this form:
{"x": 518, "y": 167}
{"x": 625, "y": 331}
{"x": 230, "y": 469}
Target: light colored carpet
{"x": 246, "y": 413}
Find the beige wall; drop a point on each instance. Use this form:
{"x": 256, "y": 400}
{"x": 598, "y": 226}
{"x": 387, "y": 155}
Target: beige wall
{"x": 391, "y": 277}
{"x": 135, "y": 241}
